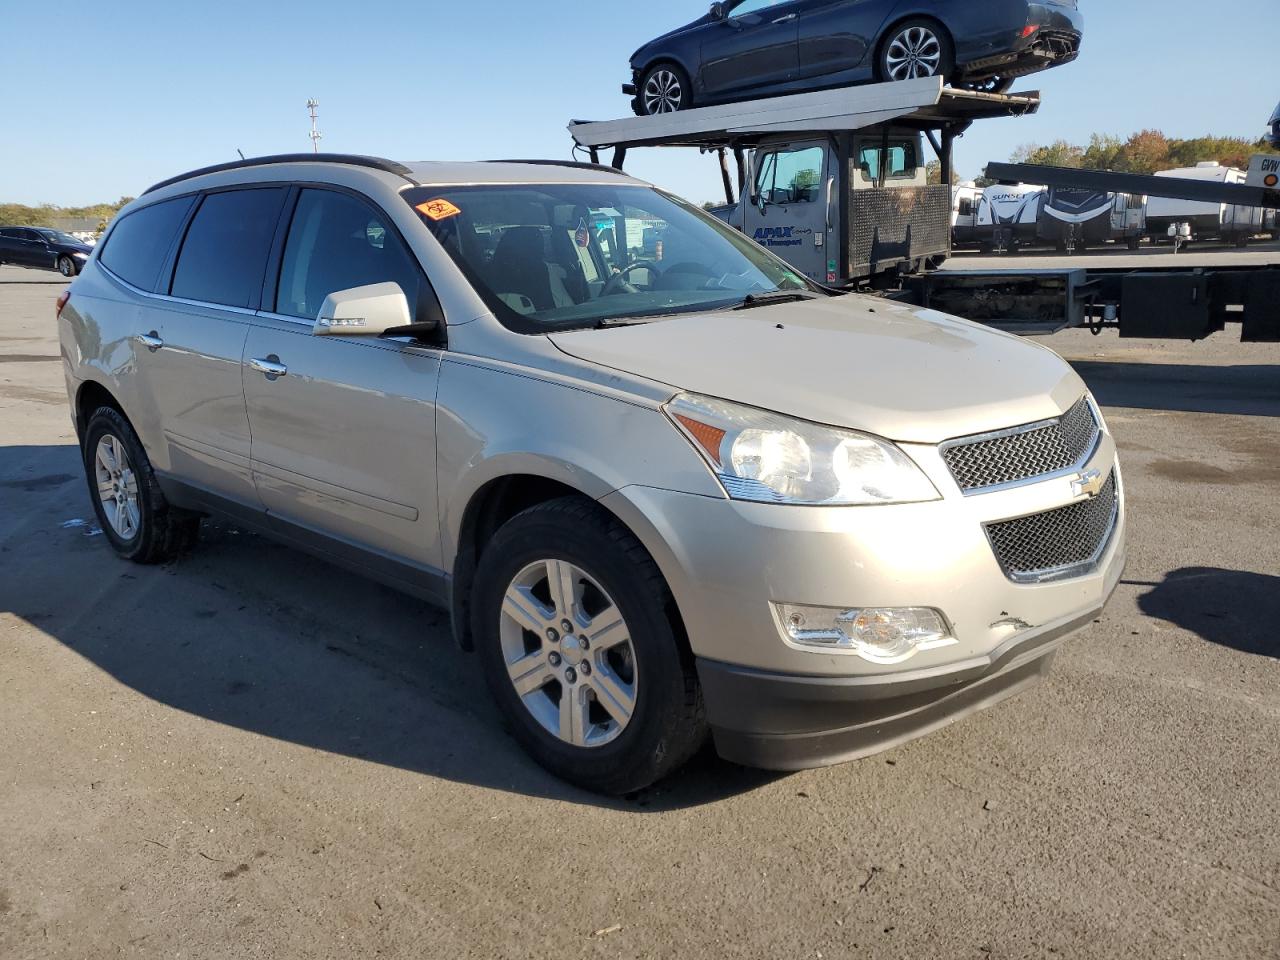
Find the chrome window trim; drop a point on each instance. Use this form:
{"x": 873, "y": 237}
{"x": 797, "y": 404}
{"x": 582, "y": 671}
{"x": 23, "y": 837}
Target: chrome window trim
{"x": 1066, "y": 471}
{"x": 1068, "y": 571}
{"x": 165, "y": 298}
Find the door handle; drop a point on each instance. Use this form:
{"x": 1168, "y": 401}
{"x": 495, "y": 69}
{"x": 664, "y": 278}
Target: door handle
{"x": 270, "y": 367}
{"x": 150, "y": 340}
{"x": 787, "y": 19}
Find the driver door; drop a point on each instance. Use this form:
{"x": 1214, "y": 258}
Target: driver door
{"x": 792, "y": 210}
{"x": 753, "y": 47}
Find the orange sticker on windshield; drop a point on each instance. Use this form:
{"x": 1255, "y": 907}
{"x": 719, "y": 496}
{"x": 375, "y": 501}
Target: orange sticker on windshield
{"x": 438, "y": 209}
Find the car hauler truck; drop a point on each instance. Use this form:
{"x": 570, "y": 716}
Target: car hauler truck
{"x": 833, "y": 181}
{"x": 864, "y": 228}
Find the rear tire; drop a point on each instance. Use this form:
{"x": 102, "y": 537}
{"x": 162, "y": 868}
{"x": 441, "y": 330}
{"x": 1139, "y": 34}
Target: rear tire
{"x": 634, "y": 713}
{"x": 916, "y": 48}
{"x": 664, "y": 88}
{"x": 132, "y": 512}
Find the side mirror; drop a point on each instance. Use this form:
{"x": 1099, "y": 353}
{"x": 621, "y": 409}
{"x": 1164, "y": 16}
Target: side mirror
{"x": 717, "y": 11}
{"x": 372, "y": 311}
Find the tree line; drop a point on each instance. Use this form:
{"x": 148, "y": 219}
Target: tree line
{"x": 44, "y": 215}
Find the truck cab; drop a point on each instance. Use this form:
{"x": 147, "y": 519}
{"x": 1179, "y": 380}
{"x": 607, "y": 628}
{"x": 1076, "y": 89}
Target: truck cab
{"x": 845, "y": 208}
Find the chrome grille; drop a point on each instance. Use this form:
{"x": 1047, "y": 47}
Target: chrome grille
{"x": 1025, "y": 453}
{"x": 1057, "y": 544}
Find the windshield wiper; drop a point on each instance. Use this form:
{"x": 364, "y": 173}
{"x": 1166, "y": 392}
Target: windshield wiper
{"x": 754, "y": 300}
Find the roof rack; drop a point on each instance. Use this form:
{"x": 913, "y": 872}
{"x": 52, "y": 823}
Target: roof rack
{"x": 923, "y": 103}
{"x": 575, "y": 164}
{"x": 351, "y": 160}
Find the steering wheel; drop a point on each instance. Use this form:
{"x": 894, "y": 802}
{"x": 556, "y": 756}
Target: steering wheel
{"x": 618, "y": 283}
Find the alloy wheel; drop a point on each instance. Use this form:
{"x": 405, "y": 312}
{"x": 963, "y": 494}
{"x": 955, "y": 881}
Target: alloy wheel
{"x": 915, "y": 52}
{"x": 568, "y": 653}
{"x": 66, "y": 267}
{"x": 663, "y": 92}
{"x": 117, "y": 487}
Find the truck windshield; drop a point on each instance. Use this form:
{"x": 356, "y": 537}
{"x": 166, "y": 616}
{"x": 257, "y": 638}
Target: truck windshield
{"x": 553, "y": 257}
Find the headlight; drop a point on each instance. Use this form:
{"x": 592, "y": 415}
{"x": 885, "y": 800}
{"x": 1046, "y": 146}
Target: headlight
{"x": 80, "y": 255}
{"x": 769, "y": 458}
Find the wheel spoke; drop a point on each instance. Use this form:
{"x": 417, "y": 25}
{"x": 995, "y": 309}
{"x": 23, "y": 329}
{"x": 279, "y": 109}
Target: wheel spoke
{"x": 525, "y": 609}
{"x": 606, "y": 629}
{"x": 617, "y": 698}
{"x": 106, "y": 490}
{"x": 573, "y": 715}
{"x": 562, "y": 581}
{"x": 121, "y": 516}
{"x": 530, "y": 673}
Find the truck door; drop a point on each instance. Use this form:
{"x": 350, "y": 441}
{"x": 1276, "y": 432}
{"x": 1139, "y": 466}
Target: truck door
{"x": 790, "y": 207}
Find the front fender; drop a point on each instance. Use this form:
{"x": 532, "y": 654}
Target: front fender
{"x": 493, "y": 422}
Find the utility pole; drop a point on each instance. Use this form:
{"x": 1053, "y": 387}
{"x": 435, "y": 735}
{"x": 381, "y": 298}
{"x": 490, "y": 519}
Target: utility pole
{"x": 316, "y": 135}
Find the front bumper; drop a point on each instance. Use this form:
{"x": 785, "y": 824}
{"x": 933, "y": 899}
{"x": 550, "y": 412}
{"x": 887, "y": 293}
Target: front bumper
{"x": 783, "y": 722}
{"x": 775, "y": 704}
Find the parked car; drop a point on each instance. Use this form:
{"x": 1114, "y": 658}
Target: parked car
{"x": 665, "y": 487}
{"x": 758, "y": 48}
{"x": 43, "y": 248}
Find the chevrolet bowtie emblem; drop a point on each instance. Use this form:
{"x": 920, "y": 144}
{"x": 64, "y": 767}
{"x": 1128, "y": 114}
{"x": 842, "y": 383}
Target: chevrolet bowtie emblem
{"x": 1087, "y": 484}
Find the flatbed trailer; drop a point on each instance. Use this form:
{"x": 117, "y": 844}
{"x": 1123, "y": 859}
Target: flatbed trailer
{"x": 1161, "y": 302}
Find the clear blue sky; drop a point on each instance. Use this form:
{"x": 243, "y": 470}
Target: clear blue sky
{"x": 102, "y": 99}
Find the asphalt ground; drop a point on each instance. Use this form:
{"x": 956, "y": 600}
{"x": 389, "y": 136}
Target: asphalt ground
{"x": 247, "y": 753}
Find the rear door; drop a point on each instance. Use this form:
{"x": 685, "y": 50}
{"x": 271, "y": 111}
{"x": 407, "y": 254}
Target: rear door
{"x": 193, "y": 339}
{"x": 753, "y": 47}
{"x": 344, "y": 427}
{"x": 838, "y": 36}
{"x": 792, "y": 213}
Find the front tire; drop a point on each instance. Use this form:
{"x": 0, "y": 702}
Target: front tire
{"x": 916, "y": 48}
{"x": 570, "y": 617}
{"x": 66, "y": 266}
{"x": 665, "y": 88}
{"x": 132, "y": 512}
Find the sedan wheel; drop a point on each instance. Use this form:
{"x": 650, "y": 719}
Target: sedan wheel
{"x": 66, "y": 267}
{"x": 663, "y": 91}
{"x": 915, "y": 52}
{"x": 568, "y": 653}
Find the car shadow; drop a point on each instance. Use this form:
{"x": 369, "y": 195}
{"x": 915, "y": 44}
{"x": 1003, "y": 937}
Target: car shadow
{"x": 259, "y": 637}
{"x": 1249, "y": 390}
{"x": 1232, "y": 608}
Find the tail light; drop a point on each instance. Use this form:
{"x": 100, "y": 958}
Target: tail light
{"x": 1029, "y": 29}
{"x": 63, "y": 299}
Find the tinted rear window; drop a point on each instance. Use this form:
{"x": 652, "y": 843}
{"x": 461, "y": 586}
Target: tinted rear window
{"x": 225, "y": 253}
{"x": 139, "y": 243}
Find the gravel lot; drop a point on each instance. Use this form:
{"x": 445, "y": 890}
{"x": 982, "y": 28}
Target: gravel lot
{"x": 251, "y": 754}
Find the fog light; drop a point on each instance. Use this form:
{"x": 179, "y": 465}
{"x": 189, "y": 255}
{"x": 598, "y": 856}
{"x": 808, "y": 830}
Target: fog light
{"x": 881, "y": 635}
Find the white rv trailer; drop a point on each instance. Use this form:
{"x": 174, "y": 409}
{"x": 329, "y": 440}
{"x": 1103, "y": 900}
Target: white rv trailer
{"x": 1208, "y": 221}
{"x": 1072, "y": 218}
{"x": 1007, "y": 217}
{"x": 964, "y": 213}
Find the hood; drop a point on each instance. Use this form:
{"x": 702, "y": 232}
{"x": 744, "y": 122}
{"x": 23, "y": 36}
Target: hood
{"x": 639, "y": 58}
{"x": 907, "y": 374}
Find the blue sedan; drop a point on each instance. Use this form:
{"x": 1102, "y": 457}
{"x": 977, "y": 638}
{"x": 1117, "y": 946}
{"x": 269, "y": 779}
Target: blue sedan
{"x": 743, "y": 49}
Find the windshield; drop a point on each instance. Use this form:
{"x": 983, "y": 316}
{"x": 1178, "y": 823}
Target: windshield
{"x": 57, "y": 236}
{"x": 559, "y": 257}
